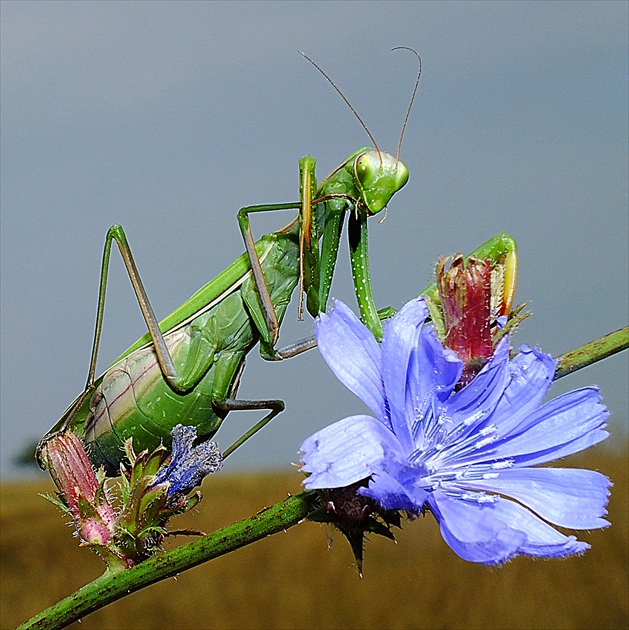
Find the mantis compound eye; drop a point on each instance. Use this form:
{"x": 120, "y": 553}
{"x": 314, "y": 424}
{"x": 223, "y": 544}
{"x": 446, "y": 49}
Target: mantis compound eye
{"x": 378, "y": 177}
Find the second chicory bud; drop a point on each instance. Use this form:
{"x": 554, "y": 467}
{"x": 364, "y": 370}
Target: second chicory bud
{"x": 81, "y": 488}
{"x": 152, "y": 488}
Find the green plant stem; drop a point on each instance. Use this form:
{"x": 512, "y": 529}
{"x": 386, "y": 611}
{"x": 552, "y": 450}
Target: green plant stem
{"x": 114, "y": 585}
{"x": 592, "y": 352}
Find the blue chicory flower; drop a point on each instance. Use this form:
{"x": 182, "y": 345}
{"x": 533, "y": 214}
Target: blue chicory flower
{"x": 190, "y": 463}
{"x": 465, "y": 454}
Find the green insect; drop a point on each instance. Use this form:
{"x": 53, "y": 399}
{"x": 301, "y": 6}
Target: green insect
{"x": 187, "y": 368}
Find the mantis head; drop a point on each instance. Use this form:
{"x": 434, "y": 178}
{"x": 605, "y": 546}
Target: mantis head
{"x": 378, "y": 176}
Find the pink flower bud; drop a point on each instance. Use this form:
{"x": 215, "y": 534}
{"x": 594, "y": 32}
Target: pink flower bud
{"x": 465, "y": 292}
{"x": 67, "y": 461}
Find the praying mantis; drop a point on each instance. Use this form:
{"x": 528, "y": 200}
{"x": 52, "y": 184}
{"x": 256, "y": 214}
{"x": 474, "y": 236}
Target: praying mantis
{"x": 187, "y": 368}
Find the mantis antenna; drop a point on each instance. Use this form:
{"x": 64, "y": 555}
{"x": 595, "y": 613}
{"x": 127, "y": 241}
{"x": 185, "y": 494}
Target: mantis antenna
{"x": 360, "y": 120}
{"x": 410, "y": 105}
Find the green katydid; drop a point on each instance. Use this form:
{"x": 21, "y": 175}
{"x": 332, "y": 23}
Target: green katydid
{"x": 187, "y": 368}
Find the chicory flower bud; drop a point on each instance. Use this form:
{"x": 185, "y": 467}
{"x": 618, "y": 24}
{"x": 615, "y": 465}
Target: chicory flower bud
{"x": 81, "y": 488}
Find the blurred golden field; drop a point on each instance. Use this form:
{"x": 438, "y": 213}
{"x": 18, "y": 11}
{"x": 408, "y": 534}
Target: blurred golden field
{"x": 292, "y": 580}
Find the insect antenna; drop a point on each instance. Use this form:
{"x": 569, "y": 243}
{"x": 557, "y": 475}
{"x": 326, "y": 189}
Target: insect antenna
{"x": 360, "y": 120}
{"x": 410, "y": 105}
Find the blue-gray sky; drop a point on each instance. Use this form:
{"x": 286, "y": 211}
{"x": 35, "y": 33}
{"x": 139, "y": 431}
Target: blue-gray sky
{"x": 168, "y": 117}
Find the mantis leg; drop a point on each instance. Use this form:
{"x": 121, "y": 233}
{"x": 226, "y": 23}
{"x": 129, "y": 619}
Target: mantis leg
{"x": 225, "y": 401}
{"x": 175, "y": 381}
{"x": 308, "y": 251}
{"x": 359, "y": 257}
{"x": 293, "y": 349}
{"x": 233, "y": 404}
{"x": 271, "y": 319}
{"x": 501, "y": 247}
